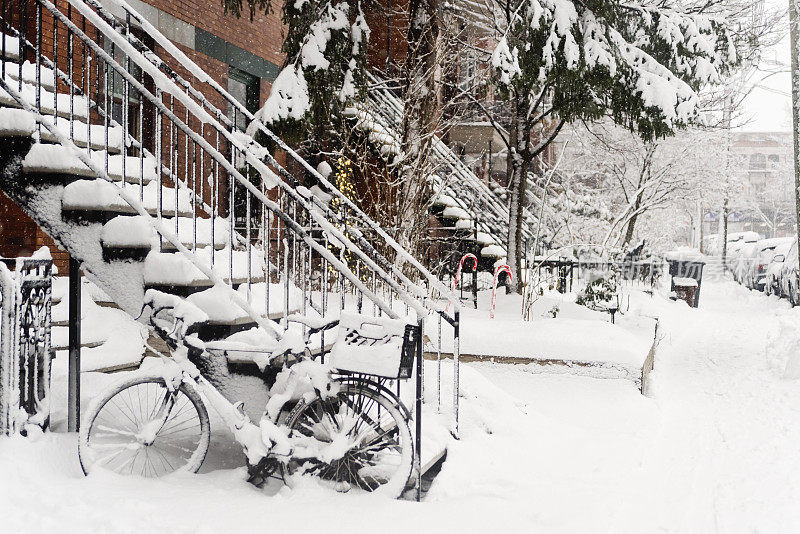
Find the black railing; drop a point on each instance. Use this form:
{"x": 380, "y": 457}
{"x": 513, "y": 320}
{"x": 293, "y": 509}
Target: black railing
{"x": 210, "y": 192}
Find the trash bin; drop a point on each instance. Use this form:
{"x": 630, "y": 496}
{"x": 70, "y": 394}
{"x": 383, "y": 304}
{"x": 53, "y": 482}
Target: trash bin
{"x": 682, "y": 269}
{"x": 686, "y": 290}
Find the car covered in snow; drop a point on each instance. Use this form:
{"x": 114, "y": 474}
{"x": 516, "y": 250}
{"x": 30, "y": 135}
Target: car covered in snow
{"x": 775, "y": 267}
{"x": 759, "y": 259}
{"x": 736, "y": 244}
{"x": 789, "y": 280}
{"x": 745, "y": 256}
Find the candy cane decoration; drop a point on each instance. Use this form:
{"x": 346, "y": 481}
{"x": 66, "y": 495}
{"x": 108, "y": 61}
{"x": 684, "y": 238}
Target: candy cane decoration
{"x": 458, "y": 272}
{"x": 497, "y": 270}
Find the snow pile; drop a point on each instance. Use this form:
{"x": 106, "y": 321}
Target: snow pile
{"x": 80, "y": 133}
{"x": 493, "y": 251}
{"x": 46, "y": 76}
{"x": 783, "y": 347}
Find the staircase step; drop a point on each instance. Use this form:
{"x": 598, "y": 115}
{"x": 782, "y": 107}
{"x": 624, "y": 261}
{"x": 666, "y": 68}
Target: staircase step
{"x": 165, "y": 269}
{"x": 81, "y": 132}
{"x": 11, "y": 45}
{"x": 136, "y": 232}
{"x": 16, "y": 123}
{"x": 58, "y": 159}
{"x": 221, "y": 310}
{"x": 46, "y": 75}
{"x": 101, "y": 196}
{"x": 80, "y": 104}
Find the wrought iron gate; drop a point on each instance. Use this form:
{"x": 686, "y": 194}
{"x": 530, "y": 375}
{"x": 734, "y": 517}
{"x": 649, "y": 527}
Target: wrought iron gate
{"x": 25, "y": 350}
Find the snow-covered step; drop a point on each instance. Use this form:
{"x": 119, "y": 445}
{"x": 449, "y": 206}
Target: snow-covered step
{"x": 454, "y": 212}
{"x": 100, "y": 195}
{"x": 493, "y": 251}
{"x": 77, "y": 105}
{"x": 216, "y": 302}
{"x": 485, "y": 239}
{"x": 82, "y": 133}
{"x": 16, "y": 123}
{"x": 444, "y": 200}
{"x": 58, "y": 159}
{"x": 175, "y": 269}
{"x": 29, "y": 74}
{"x": 137, "y": 232}
{"x": 264, "y": 297}
{"x": 9, "y": 46}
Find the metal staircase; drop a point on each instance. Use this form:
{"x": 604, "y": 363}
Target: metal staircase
{"x": 461, "y": 199}
{"x": 127, "y": 160}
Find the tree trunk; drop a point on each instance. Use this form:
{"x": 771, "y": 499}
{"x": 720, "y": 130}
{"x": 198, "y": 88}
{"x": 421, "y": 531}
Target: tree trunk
{"x": 420, "y": 95}
{"x": 632, "y": 221}
{"x": 518, "y": 164}
{"x": 794, "y": 28}
{"x": 724, "y": 234}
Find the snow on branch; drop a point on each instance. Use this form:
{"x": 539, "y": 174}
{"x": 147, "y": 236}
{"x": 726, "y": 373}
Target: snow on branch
{"x": 644, "y": 65}
{"x": 325, "y": 49}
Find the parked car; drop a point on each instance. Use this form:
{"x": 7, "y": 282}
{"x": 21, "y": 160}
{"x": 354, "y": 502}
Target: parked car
{"x": 773, "y": 273}
{"x": 790, "y": 279}
{"x": 757, "y": 268}
{"x": 736, "y": 244}
{"x": 745, "y": 257}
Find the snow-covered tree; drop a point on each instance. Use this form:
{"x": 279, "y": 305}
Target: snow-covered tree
{"x": 324, "y": 71}
{"x": 623, "y": 180}
{"x": 641, "y": 64}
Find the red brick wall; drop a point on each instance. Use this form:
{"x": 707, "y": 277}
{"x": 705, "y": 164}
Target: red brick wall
{"x": 263, "y": 37}
{"x": 395, "y": 28}
{"x": 17, "y": 230}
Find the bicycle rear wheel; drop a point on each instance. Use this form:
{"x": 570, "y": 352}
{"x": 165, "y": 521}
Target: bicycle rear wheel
{"x": 356, "y": 439}
{"x": 139, "y": 427}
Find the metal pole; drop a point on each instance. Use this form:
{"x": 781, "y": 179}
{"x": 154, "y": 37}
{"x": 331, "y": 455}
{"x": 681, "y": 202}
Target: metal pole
{"x": 418, "y": 408}
{"x": 74, "y": 373}
{"x": 456, "y": 358}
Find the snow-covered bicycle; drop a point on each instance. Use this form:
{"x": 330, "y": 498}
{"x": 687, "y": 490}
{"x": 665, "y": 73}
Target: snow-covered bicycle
{"x": 340, "y": 425}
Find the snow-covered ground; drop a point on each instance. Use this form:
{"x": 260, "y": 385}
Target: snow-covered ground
{"x": 714, "y": 450}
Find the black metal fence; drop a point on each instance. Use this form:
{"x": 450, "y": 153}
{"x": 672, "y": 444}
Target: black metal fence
{"x": 25, "y": 349}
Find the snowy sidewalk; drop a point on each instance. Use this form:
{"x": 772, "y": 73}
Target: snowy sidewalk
{"x": 714, "y": 450}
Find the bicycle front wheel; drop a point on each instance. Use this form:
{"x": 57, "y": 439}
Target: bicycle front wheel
{"x": 356, "y": 439}
{"x": 139, "y": 427}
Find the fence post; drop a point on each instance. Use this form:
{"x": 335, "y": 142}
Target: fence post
{"x": 418, "y": 407}
{"x": 74, "y": 374}
{"x": 456, "y": 358}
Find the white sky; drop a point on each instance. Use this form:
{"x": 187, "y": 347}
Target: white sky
{"x": 767, "y": 108}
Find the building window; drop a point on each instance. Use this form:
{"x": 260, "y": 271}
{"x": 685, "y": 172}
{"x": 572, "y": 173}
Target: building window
{"x": 117, "y": 89}
{"x": 244, "y": 88}
{"x": 758, "y": 162}
{"x": 773, "y": 159}
{"x": 468, "y": 71}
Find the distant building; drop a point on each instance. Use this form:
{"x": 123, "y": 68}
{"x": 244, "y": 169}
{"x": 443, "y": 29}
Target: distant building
{"x": 764, "y": 162}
